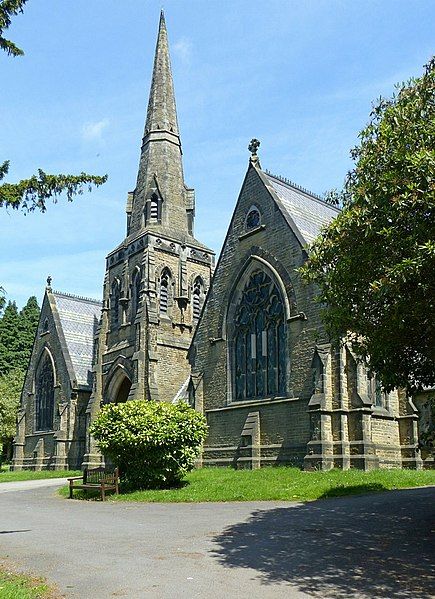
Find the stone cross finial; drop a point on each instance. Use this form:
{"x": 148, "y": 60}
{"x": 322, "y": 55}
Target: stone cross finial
{"x": 49, "y": 279}
{"x": 253, "y": 146}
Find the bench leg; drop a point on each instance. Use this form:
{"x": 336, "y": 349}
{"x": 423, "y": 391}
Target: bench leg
{"x": 103, "y": 493}
{"x": 70, "y": 491}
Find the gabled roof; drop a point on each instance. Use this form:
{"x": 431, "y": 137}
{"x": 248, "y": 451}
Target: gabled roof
{"x": 79, "y": 318}
{"x": 307, "y": 211}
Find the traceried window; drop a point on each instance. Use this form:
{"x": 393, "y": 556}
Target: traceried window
{"x": 44, "y": 395}
{"x": 259, "y": 340}
{"x": 165, "y": 281}
{"x": 253, "y": 219}
{"x": 114, "y": 304}
{"x": 135, "y": 293}
{"x": 197, "y": 297}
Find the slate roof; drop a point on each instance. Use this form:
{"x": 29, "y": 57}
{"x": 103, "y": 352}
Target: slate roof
{"x": 78, "y": 317}
{"x": 308, "y": 211}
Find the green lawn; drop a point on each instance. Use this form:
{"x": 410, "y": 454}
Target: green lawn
{"x": 6, "y": 476}
{"x": 20, "y": 586}
{"x": 278, "y": 483}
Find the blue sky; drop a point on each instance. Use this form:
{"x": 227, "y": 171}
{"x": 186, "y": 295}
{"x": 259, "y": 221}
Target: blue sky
{"x": 298, "y": 75}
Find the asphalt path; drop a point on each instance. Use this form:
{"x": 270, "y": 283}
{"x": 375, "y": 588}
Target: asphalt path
{"x": 367, "y": 546}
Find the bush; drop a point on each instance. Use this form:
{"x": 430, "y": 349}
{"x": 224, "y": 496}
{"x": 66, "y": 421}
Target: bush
{"x": 154, "y": 444}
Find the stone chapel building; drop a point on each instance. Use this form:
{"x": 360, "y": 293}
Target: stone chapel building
{"x": 246, "y": 347}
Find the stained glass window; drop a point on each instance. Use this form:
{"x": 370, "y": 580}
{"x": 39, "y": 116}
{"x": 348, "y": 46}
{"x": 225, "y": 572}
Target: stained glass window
{"x": 259, "y": 340}
{"x": 253, "y": 219}
{"x": 44, "y": 395}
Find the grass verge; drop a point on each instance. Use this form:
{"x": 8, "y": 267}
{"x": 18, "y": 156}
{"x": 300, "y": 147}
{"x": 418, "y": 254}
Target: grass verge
{"x": 8, "y": 477}
{"x": 22, "y": 586}
{"x": 275, "y": 483}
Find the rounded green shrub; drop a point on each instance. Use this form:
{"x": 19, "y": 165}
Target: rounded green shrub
{"x": 154, "y": 444}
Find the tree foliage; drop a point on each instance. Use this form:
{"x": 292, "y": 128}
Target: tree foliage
{"x": 375, "y": 264}
{"x": 17, "y": 333}
{"x": 154, "y": 444}
{"x": 32, "y": 193}
{"x": 10, "y": 391}
{"x": 9, "y": 8}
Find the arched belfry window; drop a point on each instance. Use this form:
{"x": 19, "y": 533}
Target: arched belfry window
{"x": 197, "y": 297}
{"x": 165, "y": 283}
{"x": 135, "y": 293}
{"x": 258, "y": 340}
{"x": 154, "y": 209}
{"x": 114, "y": 304}
{"x": 44, "y": 394}
{"x": 253, "y": 218}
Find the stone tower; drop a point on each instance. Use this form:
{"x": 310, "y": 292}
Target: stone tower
{"x": 157, "y": 278}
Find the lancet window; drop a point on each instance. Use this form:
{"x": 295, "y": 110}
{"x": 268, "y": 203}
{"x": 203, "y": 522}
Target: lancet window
{"x": 154, "y": 208}
{"x": 135, "y": 293}
{"x": 375, "y": 392}
{"x": 259, "y": 340}
{"x": 44, "y": 394}
{"x": 197, "y": 297}
{"x": 165, "y": 281}
{"x": 114, "y": 304}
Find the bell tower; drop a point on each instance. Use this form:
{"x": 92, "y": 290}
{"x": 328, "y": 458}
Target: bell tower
{"x": 157, "y": 278}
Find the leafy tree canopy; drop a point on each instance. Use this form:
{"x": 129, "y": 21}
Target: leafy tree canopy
{"x": 10, "y": 390}
{"x": 33, "y": 193}
{"x": 375, "y": 264}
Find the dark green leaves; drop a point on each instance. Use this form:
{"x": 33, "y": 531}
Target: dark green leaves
{"x": 375, "y": 264}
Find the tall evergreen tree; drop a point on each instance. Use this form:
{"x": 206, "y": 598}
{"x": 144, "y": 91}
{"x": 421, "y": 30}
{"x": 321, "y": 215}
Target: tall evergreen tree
{"x": 17, "y": 333}
{"x": 10, "y": 341}
{"x": 29, "y": 317}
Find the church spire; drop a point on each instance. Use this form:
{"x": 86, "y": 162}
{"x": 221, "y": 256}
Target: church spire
{"x": 161, "y": 199}
{"x": 162, "y": 114}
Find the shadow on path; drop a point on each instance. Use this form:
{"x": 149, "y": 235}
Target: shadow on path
{"x": 379, "y": 545}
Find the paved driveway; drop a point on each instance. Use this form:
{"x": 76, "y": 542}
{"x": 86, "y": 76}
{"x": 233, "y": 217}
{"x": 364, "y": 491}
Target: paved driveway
{"x": 363, "y": 546}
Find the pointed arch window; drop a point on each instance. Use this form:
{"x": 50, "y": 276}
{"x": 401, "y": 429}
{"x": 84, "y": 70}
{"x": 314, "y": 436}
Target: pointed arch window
{"x": 377, "y": 396}
{"x": 165, "y": 282}
{"x": 197, "y": 297}
{"x": 258, "y": 341}
{"x": 114, "y": 304}
{"x": 44, "y": 394}
{"x": 135, "y": 293}
{"x": 154, "y": 209}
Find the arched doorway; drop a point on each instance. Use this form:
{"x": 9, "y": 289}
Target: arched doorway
{"x": 118, "y": 387}
{"x": 123, "y": 391}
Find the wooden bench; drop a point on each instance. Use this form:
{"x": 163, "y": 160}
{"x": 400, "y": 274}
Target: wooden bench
{"x": 96, "y": 479}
